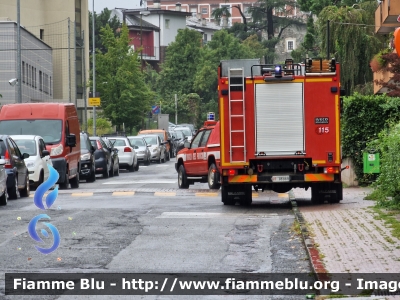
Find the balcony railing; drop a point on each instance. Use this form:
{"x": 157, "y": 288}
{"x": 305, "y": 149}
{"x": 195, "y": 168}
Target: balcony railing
{"x": 386, "y": 16}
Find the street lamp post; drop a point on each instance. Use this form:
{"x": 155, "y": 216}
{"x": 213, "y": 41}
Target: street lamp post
{"x": 142, "y": 13}
{"x": 19, "y": 86}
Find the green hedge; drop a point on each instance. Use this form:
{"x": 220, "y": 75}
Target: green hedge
{"x": 363, "y": 118}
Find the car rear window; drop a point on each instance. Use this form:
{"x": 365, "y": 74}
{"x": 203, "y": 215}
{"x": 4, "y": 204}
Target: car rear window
{"x": 94, "y": 144}
{"x": 137, "y": 142}
{"x": 118, "y": 143}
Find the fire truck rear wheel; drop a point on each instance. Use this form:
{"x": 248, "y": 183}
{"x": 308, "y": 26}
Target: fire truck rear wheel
{"x": 213, "y": 176}
{"x": 248, "y": 196}
{"x": 183, "y": 182}
{"x": 226, "y": 199}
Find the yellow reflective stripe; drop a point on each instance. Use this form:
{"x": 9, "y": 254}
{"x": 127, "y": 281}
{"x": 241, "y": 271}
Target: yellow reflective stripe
{"x": 222, "y": 129}
{"x": 242, "y": 178}
{"x": 319, "y": 80}
{"x": 318, "y": 177}
{"x": 319, "y": 161}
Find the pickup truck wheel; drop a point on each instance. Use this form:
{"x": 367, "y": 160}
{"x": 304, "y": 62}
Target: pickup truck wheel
{"x": 213, "y": 176}
{"x": 183, "y": 182}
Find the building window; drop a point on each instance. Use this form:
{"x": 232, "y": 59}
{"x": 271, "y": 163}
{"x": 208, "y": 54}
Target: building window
{"x": 204, "y": 11}
{"x": 41, "y": 34}
{"x": 40, "y": 81}
{"x": 51, "y": 93}
{"x": 33, "y": 77}
{"x": 23, "y": 72}
{"x": 290, "y": 45}
{"x": 166, "y": 23}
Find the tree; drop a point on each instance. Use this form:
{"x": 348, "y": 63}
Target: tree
{"x": 101, "y": 21}
{"x": 351, "y": 44}
{"x": 102, "y": 126}
{"x": 316, "y": 6}
{"x": 179, "y": 69}
{"x": 392, "y": 66}
{"x": 125, "y": 96}
{"x": 264, "y": 19}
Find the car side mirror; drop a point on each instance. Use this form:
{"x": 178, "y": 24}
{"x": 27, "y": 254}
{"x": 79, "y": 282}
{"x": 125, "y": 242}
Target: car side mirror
{"x": 45, "y": 153}
{"x": 115, "y": 149}
{"x": 25, "y": 155}
{"x": 71, "y": 140}
{"x": 148, "y": 145}
{"x": 186, "y": 144}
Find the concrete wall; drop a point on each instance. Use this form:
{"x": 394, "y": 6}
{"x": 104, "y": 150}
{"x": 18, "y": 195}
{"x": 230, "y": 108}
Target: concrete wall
{"x": 348, "y": 175}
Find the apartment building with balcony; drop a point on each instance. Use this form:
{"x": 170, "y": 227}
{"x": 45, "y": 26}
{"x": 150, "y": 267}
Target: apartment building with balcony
{"x": 387, "y": 19}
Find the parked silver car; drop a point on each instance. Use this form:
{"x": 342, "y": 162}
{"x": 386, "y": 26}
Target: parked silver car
{"x": 157, "y": 148}
{"x": 141, "y": 148}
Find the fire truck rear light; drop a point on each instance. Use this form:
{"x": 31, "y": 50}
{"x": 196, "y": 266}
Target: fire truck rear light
{"x": 127, "y": 149}
{"x": 331, "y": 170}
{"x": 231, "y": 172}
{"x": 334, "y": 79}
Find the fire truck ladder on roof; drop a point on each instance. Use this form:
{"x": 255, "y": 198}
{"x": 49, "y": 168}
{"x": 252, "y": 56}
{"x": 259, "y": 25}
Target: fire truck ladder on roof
{"x": 236, "y": 83}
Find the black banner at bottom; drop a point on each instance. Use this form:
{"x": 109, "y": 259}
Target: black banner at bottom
{"x": 197, "y": 284}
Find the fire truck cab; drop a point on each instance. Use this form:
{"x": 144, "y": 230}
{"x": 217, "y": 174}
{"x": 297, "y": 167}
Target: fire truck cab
{"x": 199, "y": 160}
{"x": 280, "y": 129}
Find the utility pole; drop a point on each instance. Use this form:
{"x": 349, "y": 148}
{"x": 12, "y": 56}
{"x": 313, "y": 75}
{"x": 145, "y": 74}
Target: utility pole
{"x": 176, "y": 109}
{"x": 19, "y": 82}
{"x": 94, "y": 72}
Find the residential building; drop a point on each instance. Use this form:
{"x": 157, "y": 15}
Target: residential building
{"x": 387, "y": 18}
{"x": 36, "y": 66}
{"x": 153, "y": 29}
{"x": 63, "y": 27}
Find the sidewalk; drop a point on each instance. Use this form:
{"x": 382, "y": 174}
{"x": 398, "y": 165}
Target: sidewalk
{"x": 345, "y": 237}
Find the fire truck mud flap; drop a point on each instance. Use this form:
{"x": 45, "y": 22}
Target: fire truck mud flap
{"x": 230, "y": 194}
{"x": 331, "y": 192}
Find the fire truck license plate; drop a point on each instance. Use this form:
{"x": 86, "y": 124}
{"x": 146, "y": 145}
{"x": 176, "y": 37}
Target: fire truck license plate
{"x": 280, "y": 178}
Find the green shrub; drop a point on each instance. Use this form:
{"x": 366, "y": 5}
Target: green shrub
{"x": 102, "y": 126}
{"x": 363, "y": 118}
{"x": 387, "y": 186}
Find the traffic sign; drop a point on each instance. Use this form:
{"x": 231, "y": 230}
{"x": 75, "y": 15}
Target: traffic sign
{"x": 210, "y": 116}
{"x": 94, "y": 101}
{"x": 155, "y": 109}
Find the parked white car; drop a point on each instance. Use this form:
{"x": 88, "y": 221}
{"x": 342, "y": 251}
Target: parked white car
{"x": 126, "y": 153}
{"x": 38, "y": 158}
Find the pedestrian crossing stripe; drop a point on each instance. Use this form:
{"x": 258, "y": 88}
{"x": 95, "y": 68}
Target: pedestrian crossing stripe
{"x": 165, "y": 194}
{"x": 81, "y": 194}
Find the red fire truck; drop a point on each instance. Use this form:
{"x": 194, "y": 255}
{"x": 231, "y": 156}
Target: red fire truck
{"x": 280, "y": 129}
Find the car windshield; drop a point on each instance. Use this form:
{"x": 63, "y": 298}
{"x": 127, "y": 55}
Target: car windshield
{"x": 185, "y": 130}
{"x": 137, "y": 142}
{"x": 27, "y": 146}
{"x": 50, "y": 130}
{"x": 178, "y": 134}
{"x": 84, "y": 143}
{"x": 151, "y": 140}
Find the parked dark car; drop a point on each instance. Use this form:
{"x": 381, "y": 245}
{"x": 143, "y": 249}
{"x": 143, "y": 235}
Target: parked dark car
{"x": 179, "y": 138}
{"x": 114, "y": 158}
{"x": 17, "y": 172}
{"x": 102, "y": 155}
{"x": 88, "y": 167}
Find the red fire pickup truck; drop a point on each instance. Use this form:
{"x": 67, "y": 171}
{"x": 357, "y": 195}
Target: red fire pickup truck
{"x": 199, "y": 160}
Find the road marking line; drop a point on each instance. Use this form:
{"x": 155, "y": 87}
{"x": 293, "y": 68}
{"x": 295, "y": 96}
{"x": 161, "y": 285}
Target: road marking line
{"x": 191, "y": 215}
{"x": 283, "y": 195}
{"x": 81, "y": 194}
{"x": 206, "y": 194}
{"x": 164, "y": 193}
{"x": 123, "y": 193}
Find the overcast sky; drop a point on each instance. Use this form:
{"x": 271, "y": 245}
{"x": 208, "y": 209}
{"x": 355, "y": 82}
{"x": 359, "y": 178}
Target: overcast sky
{"x": 99, "y": 5}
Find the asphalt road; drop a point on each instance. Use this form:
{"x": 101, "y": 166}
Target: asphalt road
{"x": 140, "y": 222}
